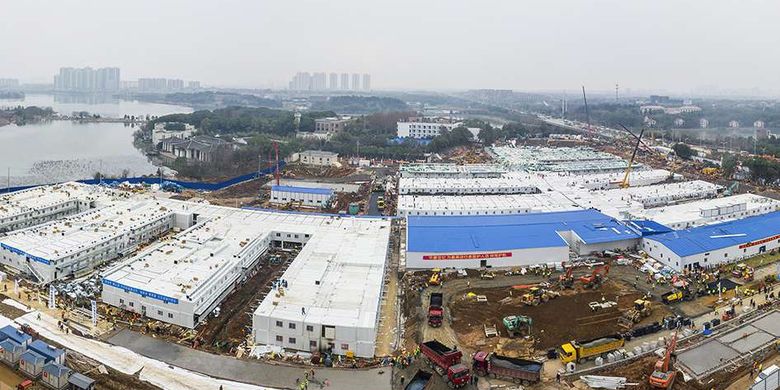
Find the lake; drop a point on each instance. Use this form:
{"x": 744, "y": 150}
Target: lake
{"x": 63, "y": 150}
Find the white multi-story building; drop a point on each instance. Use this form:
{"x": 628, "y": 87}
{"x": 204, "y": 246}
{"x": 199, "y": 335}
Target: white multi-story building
{"x": 344, "y": 81}
{"x": 424, "y": 127}
{"x": 73, "y": 246}
{"x": 317, "y": 157}
{"x": 34, "y": 206}
{"x": 366, "y": 82}
{"x": 355, "y": 82}
{"x": 334, "y": 81}
{"x": 327, "y": 299}
{"x": 303, "y": 196}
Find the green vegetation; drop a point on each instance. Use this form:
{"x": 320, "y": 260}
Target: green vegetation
{"x": 360, "y": 104}
{"x": 683, "y": 151}
{"x": 24, "y": 115}
{"x": 763, "y": 171}
{"x": 209, "y": 99}
{"x": 245, "y": 121}
{"x": 728, "y": 165}
{"x": 175, "y": 126}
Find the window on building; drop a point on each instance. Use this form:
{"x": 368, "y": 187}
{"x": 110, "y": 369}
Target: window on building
{"x": 313, "y": 344}
{"x": 279, "y": 324}
{"x": 170, "y": 315}
{"x": 279, "y": 339}
{"x": 131, "y": 304}
{"x": 291, "y": 325}
{"x": 345, "y": 347}
{"x": 121, "y": 301}
{"x": 291, "y": 340}
{"x": 159, "y": 312}
{"x": 309, "y": 328}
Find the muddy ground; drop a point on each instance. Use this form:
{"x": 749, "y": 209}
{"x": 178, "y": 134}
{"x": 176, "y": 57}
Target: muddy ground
{"x": 561, "y": 319}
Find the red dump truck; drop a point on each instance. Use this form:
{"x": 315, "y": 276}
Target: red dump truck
{"x": 508, "y": 368}
{"x": 446, "y": 362}
{"x": 435, "y": 310}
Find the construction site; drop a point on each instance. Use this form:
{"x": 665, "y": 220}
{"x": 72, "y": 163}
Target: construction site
{"x": 533, "y": 266}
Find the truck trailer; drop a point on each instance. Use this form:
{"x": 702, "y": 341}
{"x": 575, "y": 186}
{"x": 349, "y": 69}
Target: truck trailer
{"x": 582, "y": 350}
{"x": 446, "y": 362}
{"x": 515, "y": 369}
{"x": 436, "y": 310}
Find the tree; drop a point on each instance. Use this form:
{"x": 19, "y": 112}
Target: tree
{"x": 683, "y": 151}
{"x": 728, "y": 165}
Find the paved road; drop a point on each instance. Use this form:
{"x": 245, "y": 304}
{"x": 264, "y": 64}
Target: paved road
{"x": 253, "y": 372}
{"x": 372, "y": 207}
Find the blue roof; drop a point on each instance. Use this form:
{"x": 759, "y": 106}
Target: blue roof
{"x": 9, "y": 345}
{"x": 723, "y": 235}
{"x": 56, "y": 369}
{"x": 32, "y": 356}
{"x": 303, "y": 190}
{"x": 506, "y": 232}
{"x": 9, "y": 332}
{"x": 45, "y": 350}
{"x": 647, "y": 227}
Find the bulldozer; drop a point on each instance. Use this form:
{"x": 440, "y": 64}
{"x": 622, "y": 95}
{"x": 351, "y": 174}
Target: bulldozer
{"x": 642, "y": 308}
{"x": 517, "y": 325}
{"x": 537, "y": 295}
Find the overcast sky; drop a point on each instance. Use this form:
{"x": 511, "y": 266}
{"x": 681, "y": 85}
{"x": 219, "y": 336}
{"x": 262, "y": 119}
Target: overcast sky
{"x": 404, "y": 44}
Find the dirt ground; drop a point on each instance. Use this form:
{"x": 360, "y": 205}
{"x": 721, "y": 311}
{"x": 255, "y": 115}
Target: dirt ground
{"x": 113, "y": 379}
{"x": 225, "y": 333}
{"x": 564, "y": 318}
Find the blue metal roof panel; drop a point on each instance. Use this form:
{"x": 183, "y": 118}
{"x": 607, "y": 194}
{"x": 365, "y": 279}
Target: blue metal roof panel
{"x": 303, "y": 190}
{"x": 31, "y": 356}
{"x": 56, "y": 369}
{"x": 648, "y": 227}
{"x": 9, "y": 345}
{"x": 45, "y": 350}
{"x": 14, "y": 334}
{"x": 504, "y": 232}
{"x": 723, "y": 235}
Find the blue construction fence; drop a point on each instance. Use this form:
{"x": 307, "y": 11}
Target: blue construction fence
{"x": 190, "y": 185}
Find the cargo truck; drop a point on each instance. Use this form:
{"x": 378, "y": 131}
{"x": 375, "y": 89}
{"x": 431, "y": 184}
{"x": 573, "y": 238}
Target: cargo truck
{"x": 436, "y": 310}
{"x": 446, "y": 362}
{"x": 582, "y": 350}
{"x": 420, "y": 381}
{"x": 504, "y": 367}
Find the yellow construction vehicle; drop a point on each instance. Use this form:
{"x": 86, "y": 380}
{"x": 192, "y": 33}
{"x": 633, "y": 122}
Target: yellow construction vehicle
{"x": 642, "y": 308}
{"x": 435, "y": 279}
{"x": 709, "y": 171}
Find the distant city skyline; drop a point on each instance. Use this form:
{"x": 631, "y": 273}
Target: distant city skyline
{"x": 316, "y": 81}
{"x": 554, "y": 45}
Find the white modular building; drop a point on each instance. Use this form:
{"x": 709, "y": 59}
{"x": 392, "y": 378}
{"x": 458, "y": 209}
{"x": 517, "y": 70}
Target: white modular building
{"x": 711, "y": 245}
{"x": 664, "y": 194}
{"x": 513, "y": 183}
{"x": 580, "y": 160}
{"x": 422, "y": 128}
{"x": 511, "y": 240}
{"x": 75, "y": 245}
{"x": 708, "y": 211}
{"x": 443, "y": 170}
{"x": 34, "y": 206}
{"x": 303, "y": 196}
{"x": 333, "y": 287}
{"x": 437, "y": 205}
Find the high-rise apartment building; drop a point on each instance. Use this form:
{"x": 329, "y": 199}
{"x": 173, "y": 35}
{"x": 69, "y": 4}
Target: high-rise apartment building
{"x": 334, "y": 81}
{"x": 318, "y": 82}
{"x": 9, "y": 83}
{"x": 301, "y": 82}
{"x": 152, "y": 85}
{"x": 355, "y": 82}
{"x": 87, "y": 80}
{"x": 344, "y": 81}
{"x": 366, "y": 82}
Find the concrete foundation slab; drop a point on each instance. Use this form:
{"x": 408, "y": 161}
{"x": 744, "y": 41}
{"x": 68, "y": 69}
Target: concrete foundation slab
{"x": 707, "y": 356}
{"x": 769, "y": 324}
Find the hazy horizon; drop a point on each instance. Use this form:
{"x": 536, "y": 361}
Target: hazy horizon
{"x": 434, "y": 45}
